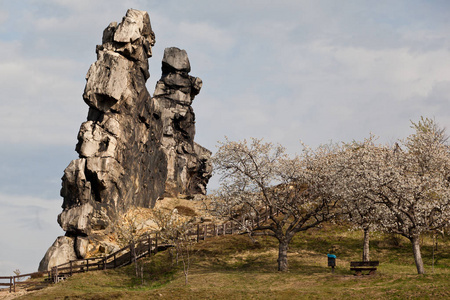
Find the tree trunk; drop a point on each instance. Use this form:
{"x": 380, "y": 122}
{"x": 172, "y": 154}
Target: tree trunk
{"x": 366, "y": 256}
{"x": 282, "y": 256}
{"x": 415, "y": 240}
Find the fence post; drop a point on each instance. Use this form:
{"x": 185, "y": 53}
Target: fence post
{"x": 87, "y": 265}
{"x": 55, "y": 274}
{"x": 104, "y": 263}
{"x": 149, "y": 245}
{"x": 198, "y": 232}
{"x": 131, "y": 253}
{"x": 216, "y": 231}
{"x": 10, "y": 283}
{"x": 205, "y": 234}
{"x": 224, "y": 229}
{"x": 14, "y": 282}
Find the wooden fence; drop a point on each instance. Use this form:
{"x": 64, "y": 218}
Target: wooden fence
{"x": 147, "y": 246}
{"x": 14, "y": 281}
{"x": 119, "y": 258}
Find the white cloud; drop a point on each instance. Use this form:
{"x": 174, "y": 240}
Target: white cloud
{"x": 4, "y": 16}
{"x": 207, "y": 35}
{"x": 40, "y": 102}
{"x": 398, "y": 72}
{"x": 32, "y": 221}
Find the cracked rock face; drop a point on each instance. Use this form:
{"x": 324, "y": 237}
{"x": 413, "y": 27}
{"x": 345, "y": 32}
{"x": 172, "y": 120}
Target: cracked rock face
{"x": 133, "y": 149}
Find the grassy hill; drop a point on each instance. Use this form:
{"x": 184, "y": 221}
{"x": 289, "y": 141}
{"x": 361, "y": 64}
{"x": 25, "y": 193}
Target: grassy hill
{"x": 232, "y": 267}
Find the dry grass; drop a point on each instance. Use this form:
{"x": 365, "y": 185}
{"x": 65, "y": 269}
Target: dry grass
{"x": 185, "y": 211}
{"x": 234, "y": 267}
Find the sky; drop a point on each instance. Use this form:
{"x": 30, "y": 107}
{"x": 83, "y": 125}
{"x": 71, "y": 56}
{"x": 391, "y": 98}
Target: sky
{"x": 316, "y": 71}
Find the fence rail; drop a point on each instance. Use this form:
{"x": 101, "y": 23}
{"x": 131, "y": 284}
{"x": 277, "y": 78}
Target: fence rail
{"x": 14, "y": 282}
{"x": 143, "y": 247}
{"x": 124, "y": 256}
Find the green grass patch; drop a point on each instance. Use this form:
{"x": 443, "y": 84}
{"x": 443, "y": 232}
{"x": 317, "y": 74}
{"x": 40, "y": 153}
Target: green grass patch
{"x": 234, "y": 266}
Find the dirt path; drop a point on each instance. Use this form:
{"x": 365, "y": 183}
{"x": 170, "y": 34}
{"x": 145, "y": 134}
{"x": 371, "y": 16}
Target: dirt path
{"x": 6, "y": 295}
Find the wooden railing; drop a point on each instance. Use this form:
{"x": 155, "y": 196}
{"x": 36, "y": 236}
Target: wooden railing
{"x": 124, "y": 256}
{"x": 119, "y": 258}
{"x": 14, "y": 281}
{"x": 143, "y": 247}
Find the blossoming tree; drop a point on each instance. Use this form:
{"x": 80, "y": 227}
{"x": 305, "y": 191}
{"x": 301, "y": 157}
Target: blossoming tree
{"x": 405, "y": 186}
{"x": 265, "y": 190}
{"x": 354, "y": 184}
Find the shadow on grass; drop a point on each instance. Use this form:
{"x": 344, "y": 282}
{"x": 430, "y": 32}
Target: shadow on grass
{"x": 157, "y": 271}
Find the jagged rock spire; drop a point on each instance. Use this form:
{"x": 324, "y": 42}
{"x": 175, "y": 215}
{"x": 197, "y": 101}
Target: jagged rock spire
{"x": 121, "y": 163}
{"x": 133, "y": 149}
{"x": 188, "y": 164}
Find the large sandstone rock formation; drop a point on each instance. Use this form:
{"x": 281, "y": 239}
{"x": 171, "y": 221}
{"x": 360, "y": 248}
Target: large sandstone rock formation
{"x": 133, "y": 149}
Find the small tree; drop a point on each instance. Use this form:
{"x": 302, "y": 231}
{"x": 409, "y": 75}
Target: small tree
{"x": 17, "y": 273}
{"x": 260, "y": 182}
{"x": 177, "y": 230}
{"x": 127, "y": 233}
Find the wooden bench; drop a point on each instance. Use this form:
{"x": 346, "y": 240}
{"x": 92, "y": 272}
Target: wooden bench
{"x": 359, "y": 266}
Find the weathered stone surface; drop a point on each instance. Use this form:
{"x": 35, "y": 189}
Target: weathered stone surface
{"x": 76, "y": 219}
{"x": 60, "y": 252}
{"x": 188, "y": 164}
{"x": 107, "y": 81}
{"x": 132, "y": 27}
{"x": 81, "y": 246}
{"x": 175, "y": 59}
{"x": 133, "y": 149}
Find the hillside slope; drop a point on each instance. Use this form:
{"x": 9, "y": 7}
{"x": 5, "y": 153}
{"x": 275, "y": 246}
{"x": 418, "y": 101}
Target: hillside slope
{"x": 232, "y": 266}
